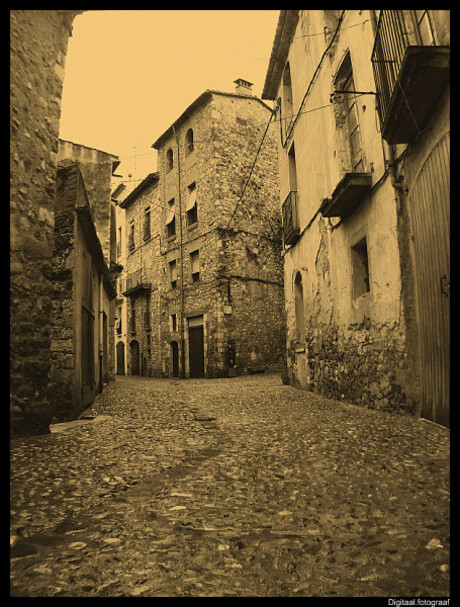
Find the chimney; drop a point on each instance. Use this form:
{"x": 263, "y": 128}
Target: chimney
{"x": 243, "y": 87}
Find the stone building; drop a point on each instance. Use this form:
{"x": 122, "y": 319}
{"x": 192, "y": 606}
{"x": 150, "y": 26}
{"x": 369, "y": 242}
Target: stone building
{"x": 121, "y": 320}
{"x": 82, "y": 292}
{"x": 38, "y": 40}
{"x": 204, "y": 281}
{"x": 363, "y": 113}
{"x": 97, "y": 169}
{"x": 140, "y": 281}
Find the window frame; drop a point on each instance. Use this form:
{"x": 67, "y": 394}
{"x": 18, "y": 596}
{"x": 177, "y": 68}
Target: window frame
{"x": 195, "y": 260}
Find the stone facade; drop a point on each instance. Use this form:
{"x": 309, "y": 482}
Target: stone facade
{"x": 82, "y": 293}
{"x": 212, "y": 264}
{"x": 39, "y": 41}
{"x": 97, "y": 168}
{"x": 350, "y": 279}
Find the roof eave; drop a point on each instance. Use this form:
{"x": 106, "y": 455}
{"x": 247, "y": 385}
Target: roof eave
{"x": 284, "y": 33}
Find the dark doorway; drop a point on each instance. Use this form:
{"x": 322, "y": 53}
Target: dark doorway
{"x": 120, "y": 358}
{"x": 196, "y": 351}
{"x": 175, "y": 358}
{"x": 134, "y": 349}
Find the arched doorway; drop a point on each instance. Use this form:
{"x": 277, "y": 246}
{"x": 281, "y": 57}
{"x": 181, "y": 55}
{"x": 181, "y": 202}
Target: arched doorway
{"x": 175, "y": 358}
{"x": 120, "y": 358}
{"x": 299, "y": 307}
{"x": 134, "y": 351}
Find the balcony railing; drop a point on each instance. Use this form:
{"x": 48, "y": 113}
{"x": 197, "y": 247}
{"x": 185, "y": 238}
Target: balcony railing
{"x": 137, "y": 282}
{"x": 409, "y": 72}
{"x": 291, "y": 229}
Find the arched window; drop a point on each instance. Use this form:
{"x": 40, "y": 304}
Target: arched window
{"x": 189, "y": 142}
{"x": 298, "y": 304}
{"x": 169, "y": 160}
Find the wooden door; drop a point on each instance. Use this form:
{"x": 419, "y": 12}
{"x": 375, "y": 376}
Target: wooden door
{"x": 134, "y": 350}
{"x": 175, "y": 358}
{"x": 430, "y": 218}
{"x": 120, "y": 358}
{"x": 196, "y": 351}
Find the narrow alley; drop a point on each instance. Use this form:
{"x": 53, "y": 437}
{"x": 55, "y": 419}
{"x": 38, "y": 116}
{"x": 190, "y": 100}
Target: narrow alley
{"x": 230, "y": 487}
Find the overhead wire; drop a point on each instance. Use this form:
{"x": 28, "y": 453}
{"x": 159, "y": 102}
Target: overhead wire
{"x": 250, "y": 172}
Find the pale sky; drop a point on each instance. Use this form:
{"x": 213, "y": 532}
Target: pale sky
{"x": 130, "y": 74}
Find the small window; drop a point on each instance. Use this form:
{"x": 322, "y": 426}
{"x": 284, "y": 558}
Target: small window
{"x": 173, "y": 323}
{"x": 287, "y": 99}
{"x": 360, "y": 266}
{"x": 347, "y": 118}
{"x": 147, "y": 313}
{"x": 171, "y": 219}
{"x": 133, "y": 321}
{"x": 173, "y": 273}
{"x": 169, "y": 160}
{"x": 189, "y": 142}
{"x": 119, "y": 242}
{"x": 118, "y": 324}
{"x": 191, "y": 208}
{"x": 147, "y": 233}
{"x": 131, "y": 243}
{"x": 195, "y": 265}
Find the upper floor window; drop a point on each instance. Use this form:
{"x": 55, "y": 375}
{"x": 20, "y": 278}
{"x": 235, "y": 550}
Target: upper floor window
{"x": 287, "y": 99}
{"x": 189, "y": 147}
{"x": 173, "y": 273}
{"x": 195, "y": 265}
{"x": 191, "y": 208}
{"x": 169, "y": 160}
{"x": 119, "y": 244}
{"x": 132, "y": 327}
{"x": 131, "y": 243}
{"x": 347, "y": 117}
{"x": 424, "y": 27}
{"x": 171, "y": 219}
{"x": 147, "y": 232}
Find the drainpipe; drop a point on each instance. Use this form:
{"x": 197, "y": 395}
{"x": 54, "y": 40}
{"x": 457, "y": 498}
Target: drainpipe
{"x": 182, "y": 327}
{"x": 396, "y": 181}
{"x": 101, "y": 346}
{"x": 373, "y": 22}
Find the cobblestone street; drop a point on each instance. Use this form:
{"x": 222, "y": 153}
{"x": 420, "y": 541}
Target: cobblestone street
{"x": 230, "y": 487}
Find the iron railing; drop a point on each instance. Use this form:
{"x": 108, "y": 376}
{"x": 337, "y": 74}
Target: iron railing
{"x": 396, "y": 30}
{"x": 290, "y": 218}
{"x": 136, "y": 279}
{"x": 391, "y": 41}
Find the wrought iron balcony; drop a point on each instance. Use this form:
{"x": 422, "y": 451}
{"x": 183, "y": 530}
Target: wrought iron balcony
{"x": 410, "y": 71}
{"x": 136, "y": 283}
{"x": 291, "y": 228}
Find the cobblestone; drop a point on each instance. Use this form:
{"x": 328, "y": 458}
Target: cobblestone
{"x": 230, "y": 487}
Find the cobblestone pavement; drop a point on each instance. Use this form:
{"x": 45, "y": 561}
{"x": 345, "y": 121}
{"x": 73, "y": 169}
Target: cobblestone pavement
{"x": 230, "y": 487}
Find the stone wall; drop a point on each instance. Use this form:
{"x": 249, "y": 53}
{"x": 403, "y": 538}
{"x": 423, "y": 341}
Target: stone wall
{"x": 62, "y": 321}
{"x": 39, "y": 41}
{"x": 96, "y": 168}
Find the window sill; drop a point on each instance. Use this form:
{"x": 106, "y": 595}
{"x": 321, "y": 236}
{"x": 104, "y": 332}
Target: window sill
{"x": 192, "y": 226}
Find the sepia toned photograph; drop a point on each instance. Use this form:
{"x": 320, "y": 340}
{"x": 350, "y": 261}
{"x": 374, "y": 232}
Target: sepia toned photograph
{"x": 230, "y": 304}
